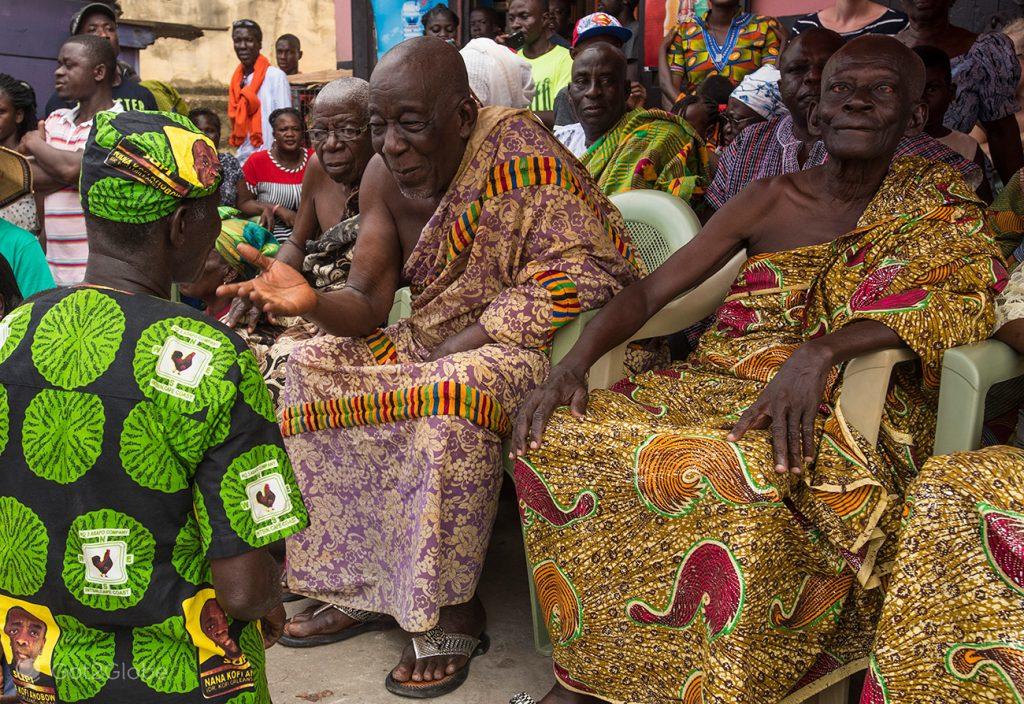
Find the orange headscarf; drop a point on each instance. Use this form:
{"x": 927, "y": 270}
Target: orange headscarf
{"x": 244, "y": 108}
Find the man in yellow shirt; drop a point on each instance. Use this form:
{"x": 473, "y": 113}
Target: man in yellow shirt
{"x": 551, "y": 64}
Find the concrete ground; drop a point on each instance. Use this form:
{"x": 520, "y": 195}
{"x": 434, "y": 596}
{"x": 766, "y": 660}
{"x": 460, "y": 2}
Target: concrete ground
{"x": 353, "y": 672}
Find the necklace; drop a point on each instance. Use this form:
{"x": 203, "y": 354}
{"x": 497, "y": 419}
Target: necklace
{"x": 297, "y": 169}
{"x": 719, "y": 53}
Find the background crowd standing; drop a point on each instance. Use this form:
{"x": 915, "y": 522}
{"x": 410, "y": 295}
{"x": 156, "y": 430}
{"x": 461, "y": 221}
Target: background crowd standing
{"x": 179, "y": 464}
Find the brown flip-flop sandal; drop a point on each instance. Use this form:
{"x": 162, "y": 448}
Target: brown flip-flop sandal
{"x": 438, "y": 643}
{"x": 366, "y": 621}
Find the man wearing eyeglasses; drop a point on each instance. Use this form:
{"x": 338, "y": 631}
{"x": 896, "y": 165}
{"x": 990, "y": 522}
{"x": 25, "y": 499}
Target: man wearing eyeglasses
{"x": 256, "y": 90}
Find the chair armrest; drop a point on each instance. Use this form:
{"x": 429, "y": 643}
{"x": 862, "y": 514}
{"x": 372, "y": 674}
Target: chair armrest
{"x": 865, "y": 384}
{"x": 688, "y": 308}
{"x": 402, "y": 306}
{"x": 967, "y": 375}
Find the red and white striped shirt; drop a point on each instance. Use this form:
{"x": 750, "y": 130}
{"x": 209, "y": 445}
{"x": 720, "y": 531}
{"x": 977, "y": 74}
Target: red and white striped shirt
{"x": 67, "y": 248}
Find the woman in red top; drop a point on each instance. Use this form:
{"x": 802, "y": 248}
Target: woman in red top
{"x": 273, "y": 178}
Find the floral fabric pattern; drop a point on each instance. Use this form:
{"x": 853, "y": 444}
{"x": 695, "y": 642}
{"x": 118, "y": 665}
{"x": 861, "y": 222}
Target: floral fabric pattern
{"x": 522, "y": 242}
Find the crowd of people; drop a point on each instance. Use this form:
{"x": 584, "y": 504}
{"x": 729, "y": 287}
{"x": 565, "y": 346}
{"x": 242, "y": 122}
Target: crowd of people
{"x": 295, "y": 367}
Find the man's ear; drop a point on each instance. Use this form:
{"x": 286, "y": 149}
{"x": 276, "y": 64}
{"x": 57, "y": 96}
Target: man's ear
{"x": 918, "y": 118}
{"x": 176, "y": 231}
{"x": 467, "y": 111}
{"x": 99, "y": 72}
{"x": 300, "y": 54}
{"x": 814, "y": 120}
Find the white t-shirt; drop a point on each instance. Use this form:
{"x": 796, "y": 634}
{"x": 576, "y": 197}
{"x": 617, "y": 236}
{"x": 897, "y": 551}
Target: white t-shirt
{"x": 274, "y": 93}
{"x": 572, "y": 138}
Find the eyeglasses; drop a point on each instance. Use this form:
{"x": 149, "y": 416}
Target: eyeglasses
{"x": 341, "y": 134}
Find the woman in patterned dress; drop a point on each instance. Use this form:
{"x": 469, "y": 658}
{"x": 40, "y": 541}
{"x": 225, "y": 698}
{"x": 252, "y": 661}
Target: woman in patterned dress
{"x": 272, "y": 188}
{"x": 726, "y": 41}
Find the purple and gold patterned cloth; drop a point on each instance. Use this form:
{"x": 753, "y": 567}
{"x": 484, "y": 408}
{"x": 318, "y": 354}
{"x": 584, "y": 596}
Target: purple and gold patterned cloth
{"x": 399, "y": 457}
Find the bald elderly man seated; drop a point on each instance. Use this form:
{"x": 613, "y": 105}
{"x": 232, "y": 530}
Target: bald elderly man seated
{"x": 787, "y": 144}
{"x": 396, "y": 433}
{"x": 716, "y": 531}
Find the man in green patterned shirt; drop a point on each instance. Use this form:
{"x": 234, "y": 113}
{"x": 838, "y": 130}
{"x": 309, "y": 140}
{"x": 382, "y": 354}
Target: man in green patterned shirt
{"x": 144, "y": 480}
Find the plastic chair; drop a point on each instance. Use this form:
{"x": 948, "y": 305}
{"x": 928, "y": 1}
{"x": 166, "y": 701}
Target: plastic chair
{"x": 658, "y": 223}
{"x": 967, "y": 375}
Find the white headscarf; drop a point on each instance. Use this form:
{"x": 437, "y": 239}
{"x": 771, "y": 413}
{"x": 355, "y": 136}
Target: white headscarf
{"x": 759, "y": 91}
{"x": 497, "y": 75}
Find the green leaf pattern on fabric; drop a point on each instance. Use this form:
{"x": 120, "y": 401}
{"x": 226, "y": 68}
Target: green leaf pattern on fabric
{"x": 23, "y": 545}
{"x": 260, "y": 496}
{"x": 12, "y": 330}
{"x": 108, "y": 561}
{"x": 180, "y": 364}
{"x": 78, "y": 338}
{"x": 5, "y": 419}
{"x": 254, "y": 388}
{"x": 107, "y": 195}
{"x": 189, "y": 557}
{"x": 83, "y": 660}
{"x": 161, "y": 449}
{"x": 164, "y": 656}
{"x": 251, "y": 643}
{"x": 202, "y": 520}
{"x": 62, "y": 435}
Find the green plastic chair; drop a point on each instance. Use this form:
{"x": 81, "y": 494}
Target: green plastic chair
{"x": 659, "y": 224}
{"x": 968, "y": 373}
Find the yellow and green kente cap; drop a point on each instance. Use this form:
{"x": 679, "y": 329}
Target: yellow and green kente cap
{"x": 138, "y": 166}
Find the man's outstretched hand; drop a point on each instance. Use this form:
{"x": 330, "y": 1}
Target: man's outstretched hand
{"x": 278, "y": 289}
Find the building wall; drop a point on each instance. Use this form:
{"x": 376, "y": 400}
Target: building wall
{"x": 201, "y": 69}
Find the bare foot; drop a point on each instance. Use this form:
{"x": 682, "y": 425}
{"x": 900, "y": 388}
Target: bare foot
{"x": 469, "y": 619}
{"x": 561, "y": 695}
{"x": 329, "y": 621}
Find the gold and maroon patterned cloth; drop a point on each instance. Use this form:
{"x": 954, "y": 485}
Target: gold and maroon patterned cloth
{"x": 672, "y": 564}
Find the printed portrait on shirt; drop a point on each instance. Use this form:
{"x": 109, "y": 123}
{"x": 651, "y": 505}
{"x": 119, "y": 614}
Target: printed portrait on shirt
{"x": 28, "y": 638}
{"x": 223, "y": 667}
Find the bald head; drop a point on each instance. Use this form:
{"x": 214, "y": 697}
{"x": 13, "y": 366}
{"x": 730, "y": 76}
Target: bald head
{"x": 428, "y": 65}
{"x": 421, "y": 114}
{"x": 871, "y": 97}
{"x": 884, "y": 52}
{"x": 801, "y": 67}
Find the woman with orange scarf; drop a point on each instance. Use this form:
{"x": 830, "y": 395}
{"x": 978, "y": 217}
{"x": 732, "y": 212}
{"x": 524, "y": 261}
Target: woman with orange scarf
{"x": 256, "y": 90}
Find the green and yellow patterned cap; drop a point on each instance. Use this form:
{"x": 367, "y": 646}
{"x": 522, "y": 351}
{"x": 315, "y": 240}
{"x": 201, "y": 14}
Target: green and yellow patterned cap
{"x": 139, "y": 165}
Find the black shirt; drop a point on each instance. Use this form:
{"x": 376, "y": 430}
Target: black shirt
{"x": 890, "y": 24}
{"x": 138, "y": 442}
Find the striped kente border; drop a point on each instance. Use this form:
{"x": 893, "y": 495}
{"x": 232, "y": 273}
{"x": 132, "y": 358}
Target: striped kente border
{"x": 521, "y": 173}
{"x": 565, "y": 302}
{"x": 381, "y": 347}
{"x": 446, "y": 398}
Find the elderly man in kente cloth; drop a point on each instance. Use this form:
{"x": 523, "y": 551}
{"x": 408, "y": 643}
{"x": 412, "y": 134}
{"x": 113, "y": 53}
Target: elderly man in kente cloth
{"x": 786, "y": 144}
{"x": 631, "y": 149}
{"x": 717, "y": 531}
{"x": 396, "y": 433}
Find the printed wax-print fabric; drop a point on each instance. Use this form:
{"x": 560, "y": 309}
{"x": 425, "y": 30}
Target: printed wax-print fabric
{"x": 952, "y": 629}
{"x": 137, "y": 444}
{"x": 522, "y": 243}
{"x": 752, "y": 41}
{"x": 674, "y": 564}
{"x": 986, "y": 79}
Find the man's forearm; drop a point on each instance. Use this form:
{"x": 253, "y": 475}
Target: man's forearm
{"x": 858, "y": 338}
{"x": 347, "y": 312}
{"x": 61, "y": 166}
